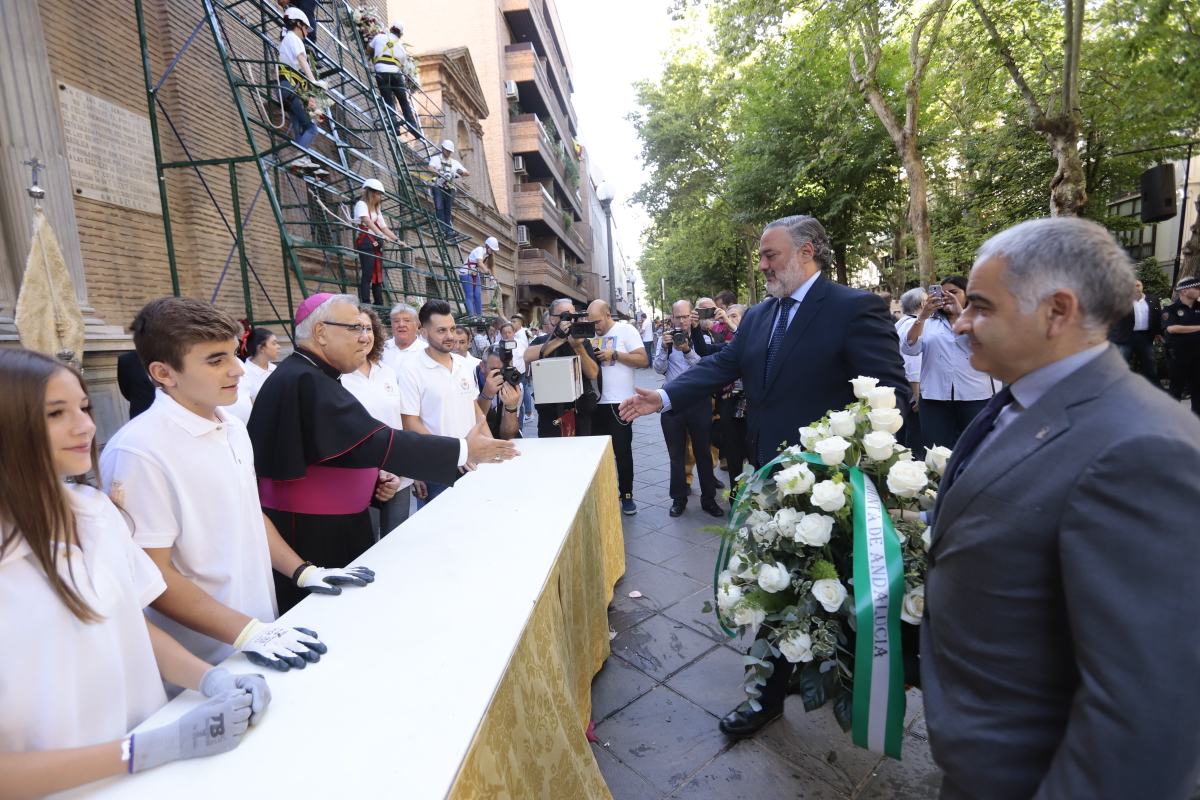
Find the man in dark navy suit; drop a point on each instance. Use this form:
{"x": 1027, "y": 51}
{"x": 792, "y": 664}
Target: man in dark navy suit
{"x": 795, "y": 353}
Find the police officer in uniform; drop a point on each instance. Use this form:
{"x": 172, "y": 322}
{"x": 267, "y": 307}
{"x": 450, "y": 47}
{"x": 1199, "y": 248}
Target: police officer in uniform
{"x": 1181, "y": 324}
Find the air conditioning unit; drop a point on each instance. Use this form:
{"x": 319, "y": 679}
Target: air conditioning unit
{"x": 522, "y": 235}
{"x": 519, "y": 165}
{"x": 510, "y": 90}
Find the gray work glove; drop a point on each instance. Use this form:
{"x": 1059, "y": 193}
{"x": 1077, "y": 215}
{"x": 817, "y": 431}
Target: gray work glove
{"x": 214, "y": 727}
{"x": 218, "y": 681}
{"x": 278, "y": 646}
{"x": 329, "y": 580}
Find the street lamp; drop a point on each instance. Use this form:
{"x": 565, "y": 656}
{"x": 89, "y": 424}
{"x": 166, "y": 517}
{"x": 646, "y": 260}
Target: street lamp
{"x": 604, "y": 194}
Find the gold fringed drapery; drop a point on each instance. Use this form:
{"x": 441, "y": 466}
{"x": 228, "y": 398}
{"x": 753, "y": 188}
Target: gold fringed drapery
{"x": 531, "y": 743}
{"x": 47, "y": 316}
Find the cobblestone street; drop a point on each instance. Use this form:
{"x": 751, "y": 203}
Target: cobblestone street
{"x": 673, "y": 673}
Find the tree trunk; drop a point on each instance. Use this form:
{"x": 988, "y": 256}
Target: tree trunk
{"x": 1189, "y": 266}
{"x": 918, "y": 214}
{"x": 839, "y": 262}
{"x": 1068, "y": 189}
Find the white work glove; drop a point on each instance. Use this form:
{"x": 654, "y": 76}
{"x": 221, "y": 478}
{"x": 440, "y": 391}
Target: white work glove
{"x": 278, "y": 646}
{"x": 324, "y": 85}
{"x": 213, "y": 727}
{"x": 218, "y": 681}
{"x": 324, "y": 580}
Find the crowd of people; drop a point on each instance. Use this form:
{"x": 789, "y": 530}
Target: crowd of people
{"x": 249, "y": 481}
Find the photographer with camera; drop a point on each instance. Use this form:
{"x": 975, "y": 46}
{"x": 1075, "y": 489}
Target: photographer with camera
{"x": 621, "y": 351}
{"x": 503, "y": 409}
{"x": 677, "y": 354}
{"x": 568, "y": 336}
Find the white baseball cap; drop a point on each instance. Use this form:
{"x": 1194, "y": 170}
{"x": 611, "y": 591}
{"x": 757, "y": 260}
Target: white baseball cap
{"x": 448, "y": 145}
{"x": 373, "y": 183}
{"x": 294, "y": 13}
{"x": 398, "y": 27}
{"x": 492, "y": 244}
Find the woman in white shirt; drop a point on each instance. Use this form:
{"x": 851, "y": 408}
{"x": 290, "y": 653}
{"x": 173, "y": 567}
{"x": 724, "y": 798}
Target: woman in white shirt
{"x": 952, "y": 391}
{"x": 83, "y": 666}
{"x": 373, "y": 231}
{"x": 375, "y": 386}
{"x": 262, "y": 350}
{"x": 295, "y": 79}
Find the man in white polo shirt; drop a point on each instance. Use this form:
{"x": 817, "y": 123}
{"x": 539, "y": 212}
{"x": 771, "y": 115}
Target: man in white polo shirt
{"x": 404, "y": 341}
{"x": 184, "y": 473}
{"x": 438, "y": 387}
{"x": 620, "y": 351}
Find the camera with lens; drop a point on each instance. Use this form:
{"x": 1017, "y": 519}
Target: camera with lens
{"x": 580, "y": 326}
{"x": 512, "y": 375}
{"x": 706, "y": 313}
{"x": 679, "y": 337}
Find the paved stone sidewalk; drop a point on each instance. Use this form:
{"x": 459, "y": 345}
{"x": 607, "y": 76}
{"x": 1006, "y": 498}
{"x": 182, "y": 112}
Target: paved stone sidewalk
{"x": 672, "y": 674}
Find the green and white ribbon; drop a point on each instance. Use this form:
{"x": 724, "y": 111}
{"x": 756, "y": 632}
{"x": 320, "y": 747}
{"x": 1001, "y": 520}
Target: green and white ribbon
{"x": 878, "y": 718}
{"x": 878, "y": 595}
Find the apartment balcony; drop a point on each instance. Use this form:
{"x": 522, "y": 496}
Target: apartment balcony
{"x": 527, "y": 21}
{"x": 523, "y": 65}
{"x": 533, "y": 205}
{"x": 540, "y": 268}
{"x": 529, "y": 139}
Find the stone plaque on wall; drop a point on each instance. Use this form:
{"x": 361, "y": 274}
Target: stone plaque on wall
{"x": 109, "y": 150}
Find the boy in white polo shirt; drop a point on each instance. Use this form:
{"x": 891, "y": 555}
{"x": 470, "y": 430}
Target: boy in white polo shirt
{"x": 438, "y": 387}
{"x": 184, "y": 473}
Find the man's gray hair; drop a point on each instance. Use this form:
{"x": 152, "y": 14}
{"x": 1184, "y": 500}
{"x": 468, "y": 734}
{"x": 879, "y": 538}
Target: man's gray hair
{"x": 560, "y": 301}
{"x": 1042, "y": 256}
{"x": 402, "y": 308}
{"x": 322, "y": 313}
{"x": 806, "y": 230}
{"x": 912, "y": 300}
{"x": 738, "y": 307}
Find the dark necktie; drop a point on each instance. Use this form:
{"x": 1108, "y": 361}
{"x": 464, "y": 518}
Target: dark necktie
{"x": 773, "y": 347}
{"x": 975, "y": 433}
{"x": 785, "y": 305}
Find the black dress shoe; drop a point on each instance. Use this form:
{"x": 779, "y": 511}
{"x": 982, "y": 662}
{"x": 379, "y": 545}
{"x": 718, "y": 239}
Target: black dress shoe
{"x": 712, "y": 508}
{"x": 744, "y": 721}
{"x": 677, "y": 508}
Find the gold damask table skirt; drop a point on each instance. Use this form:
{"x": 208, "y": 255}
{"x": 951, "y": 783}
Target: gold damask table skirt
{"x": 532, "y": 743}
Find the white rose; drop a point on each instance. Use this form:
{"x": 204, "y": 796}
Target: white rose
{"x": 773, "y": 577}
{"x": 796, "y": 479}
{"x": 746, "y": 614}
{"x": 879, "y": 445}
{"x": 843, "y": 423}
{"x": 881, "y": 397}
{"x": 758, "y": 517}
{"x": 906, "y": 478}
{"x": 728, "y": 596}
{"x": 913, "y": 608}
{"x": 936, "y": 458}
{"x": 829, "y": 496}
{"x": 830, "y": 593}
{"x": 740, "y": 566}
{"x": 926, "y": 538}
{"x": 862, "y": 385}
{"x": 809, "y": 437}
{"x": 814, "y": 530}
{"x": 832, "y": 450}
{"x": 885, "y": 419}
{"x": 786, "y": 520}
{"x": 725, "y": 578}
{"x": 797, "y": 647}
{"x": 765, "y": 533}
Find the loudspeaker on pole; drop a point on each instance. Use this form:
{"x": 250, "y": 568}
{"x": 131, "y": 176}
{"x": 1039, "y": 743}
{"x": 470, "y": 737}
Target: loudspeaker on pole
{"x": 1158, "y": 193}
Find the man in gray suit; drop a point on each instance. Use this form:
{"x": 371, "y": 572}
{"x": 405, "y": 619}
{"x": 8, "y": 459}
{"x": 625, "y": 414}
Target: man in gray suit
{"x": 1060, "y": 652}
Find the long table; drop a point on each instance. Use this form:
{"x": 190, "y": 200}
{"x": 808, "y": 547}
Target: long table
{"x": 463, "y": 672}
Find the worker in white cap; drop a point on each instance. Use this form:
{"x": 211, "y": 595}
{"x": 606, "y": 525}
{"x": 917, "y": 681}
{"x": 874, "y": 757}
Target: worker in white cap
{"x": 477, "y": 274}
{"x": 392, "y": 65}
{"x": 296, "y": 79}
{"x": 373, "y": 230}
{"x": 446, "y": 170}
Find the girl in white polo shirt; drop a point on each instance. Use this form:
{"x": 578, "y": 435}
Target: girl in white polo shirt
{"x": 82, "y": 666}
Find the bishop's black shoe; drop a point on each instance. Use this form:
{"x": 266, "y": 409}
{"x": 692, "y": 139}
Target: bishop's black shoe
{"x": 677, "y": 508}
{"x": 745, "y": 721}
{"x": 711, "y": 507}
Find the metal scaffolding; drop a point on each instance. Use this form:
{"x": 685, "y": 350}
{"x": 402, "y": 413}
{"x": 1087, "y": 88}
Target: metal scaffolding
{"x": 359, "y": 138}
